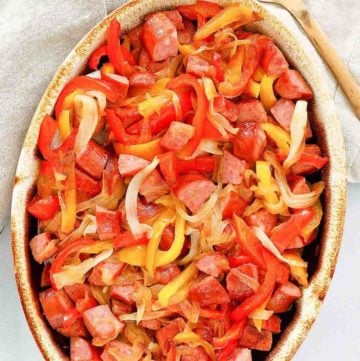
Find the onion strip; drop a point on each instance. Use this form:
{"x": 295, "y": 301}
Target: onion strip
{"x": 204, "y": 211}
{"x": 297, "y": 134}
{"x": 296, "y": 201}
{"x": 137, "y": 229}
{"x": 87, "y": 110}
{"x": 268, "y": 244}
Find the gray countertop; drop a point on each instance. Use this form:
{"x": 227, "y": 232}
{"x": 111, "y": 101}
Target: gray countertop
{"x": 333, "y": 337}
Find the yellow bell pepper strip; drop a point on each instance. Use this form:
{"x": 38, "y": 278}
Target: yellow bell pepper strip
{"x": 315, "y": 221}
{"x": 174, "y": 285}
{"x": 145, "y": 150}
{"x": 159, "y": 225}
{"x": 134, "y": 256}
{"x": 235, "y": 85}
{"x": 233, "y": 13}
{"x": 267, "y": 95}
{"x": 166, "y": 201}
{"x": 234, "y": 333}
{"x": 107, "y": 68}
{"x": 259, "y": 73}
{"x": 165, "y": 257}
{"x": 195, "y": 340}
{"x": 234, "y": 67}
{"x": 199, "y": 119}
{"x": 279, "y": 135}
{"x": 64, "y": 170}
{"x": 68, "y": 210}
{"x": 64, "y": 124}
{"x": 253, "y": 89}
{"x": 299, "y": 273}
{"x": 266, "y": 182}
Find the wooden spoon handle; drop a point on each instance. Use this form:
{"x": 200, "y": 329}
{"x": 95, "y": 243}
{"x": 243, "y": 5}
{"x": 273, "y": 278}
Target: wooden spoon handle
{"x": 329, "y": 54}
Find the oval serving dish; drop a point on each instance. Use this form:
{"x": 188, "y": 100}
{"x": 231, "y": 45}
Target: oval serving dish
{"x": 326, "y": 129}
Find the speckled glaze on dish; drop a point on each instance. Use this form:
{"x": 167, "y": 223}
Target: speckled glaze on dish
{"x": 326, "y": 128}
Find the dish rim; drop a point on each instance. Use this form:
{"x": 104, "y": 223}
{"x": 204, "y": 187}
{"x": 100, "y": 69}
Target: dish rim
{"x": 330, "y": 138}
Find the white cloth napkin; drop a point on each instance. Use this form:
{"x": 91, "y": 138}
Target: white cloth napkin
{"x": 37, "y": 35}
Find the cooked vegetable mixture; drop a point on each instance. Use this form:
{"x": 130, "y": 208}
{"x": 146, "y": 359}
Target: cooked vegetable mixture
{"x": 172, "y": 200}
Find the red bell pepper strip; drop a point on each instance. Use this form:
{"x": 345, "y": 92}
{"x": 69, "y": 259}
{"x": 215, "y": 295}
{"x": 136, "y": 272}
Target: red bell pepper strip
{"x": 205, "y": 164}
{"x": 235, "y": 332}
{"x": 227, "y": 351}
{"x": 96, "y": 56}
{"x": 126, "y": 239}
{"x": 249, "y": 244}
{"x": 314, "y": 160}
{"x": 186, "y": 80}
{"x": 43, "y": 208}
{"x": 62, "y": 256}
{"x": 84, "y": 82}
{"x": 238, "y": 260}
{"x": 283, "y": 234}
{"x": 160, "y": 122}
{"x": 118, "y": 130}
{"x": 263, "y": 293}
{"x": 115, "y": 52}
{"x": 251, "y": 62}
{"x": 171, "y": 356}
{"x": 102, "y": 51}
{"x": 47, "y": 132}
{"x": 212, "y": 314}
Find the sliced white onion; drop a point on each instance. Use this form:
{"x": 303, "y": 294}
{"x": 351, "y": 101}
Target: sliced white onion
{"x": 104, "y": 199}
{"x": 206, "y": 145}
{"x": 220, "y": 122}
{"x": 87, "y": 111}
{"x": 73, "y": 274}
{"x": 194, "y": 247}
{"x": 100, "y": 98}
{"x": 268, "y": 244}
{"x": 87, "y": 226}
{"x": 296, "y": 201}
{"x": 297, "y": 133}
{"x": 137, "y": 229}
{"x": 147, "y": 315}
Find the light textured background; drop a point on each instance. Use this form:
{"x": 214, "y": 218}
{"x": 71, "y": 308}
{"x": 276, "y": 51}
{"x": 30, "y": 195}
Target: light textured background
{"x": 335, "y": 334}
